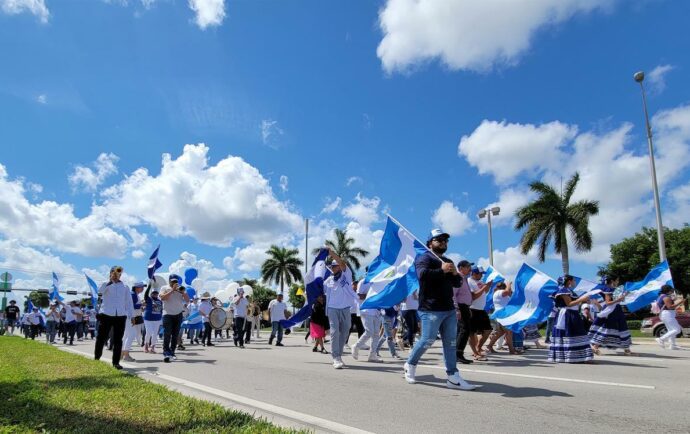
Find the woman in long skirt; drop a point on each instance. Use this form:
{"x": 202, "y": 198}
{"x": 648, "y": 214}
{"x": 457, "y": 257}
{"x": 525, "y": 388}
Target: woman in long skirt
{"x": 569, "y": 339}
{"x": 609, "y": 329}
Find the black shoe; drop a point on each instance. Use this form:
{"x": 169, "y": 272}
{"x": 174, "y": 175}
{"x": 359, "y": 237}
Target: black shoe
{"x": 117, "y": 366}
{"x": 166, "y": 359}
{"x": 463, "y": 360}
{"x": 241, "y": 346}
{"x": 270, "y": 341}
{"x": 235, "y": 343}
{"x": 196, "y": 341}
{"x": 279, "y": 345}
{"x": 315, "y": 349}
{"x": 181, "y": 347}
{"x": 210, "y": 345}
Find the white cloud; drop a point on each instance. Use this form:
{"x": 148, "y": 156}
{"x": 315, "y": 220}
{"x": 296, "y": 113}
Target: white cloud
{"x": 351, "y": 180}
{"x": 331, "y": 205}
{"x": 51, "y": 224}
{"x": 208, "y": 12}
{"x": 35, "y": 7}
{"x": 363, "y": 210}
{"x": 657, "y": 78}
{"x": 138, "y": 254}
{"x": 509, "y": 261}
{"x": 450, "y": 219}
{"x": 679, "y": 213}
{"x": 468, "y": 34}
{"x": 90, "y": 179}
{"x": 284, "y": 183}
{"x": 509, "y": 200}
{"x": 212, "y": 203}
{"x": 42, "y": 99}
{"x": 505, "y": 150}
{"x": 269, "y": 131}
{"x": 207, "y": 270}
{"x": 248, "y": 258}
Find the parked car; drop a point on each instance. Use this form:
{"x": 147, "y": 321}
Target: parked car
{"x": 656, "y": 328}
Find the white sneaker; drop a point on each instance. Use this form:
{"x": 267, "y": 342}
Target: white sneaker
{"x": 396, "y": 356}
{"x": 355, "y": 352}
{"x": 660, "y": 342}
{"x": 337, "y": 364}
{"x": 675, "y": 347}
{"x": 456, "y": 382}
{"x": 375, "y": 359}
{"x": 365, "y": 348}
{"x": 410, "y": 371}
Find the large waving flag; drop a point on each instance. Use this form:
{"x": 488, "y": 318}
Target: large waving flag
{"x": 531, "y": 302}
{"x": 392, "y": 276}
{"x": 314, "y": 284}
{"x": 94, "y": 290}
{"x": 583, "y": 286}
{"x": 642, "y": 293}
{"x": 154, "y": 263}
{"x": 55, "y": 293}
{"x": 491, "y": 274}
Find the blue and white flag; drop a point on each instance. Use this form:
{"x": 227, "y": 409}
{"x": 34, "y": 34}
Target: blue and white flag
{"x": 489, "y": 275}
{"x": 583, "y": 287}
{"x": 314, "y": 287}
{"x": 392, "y": 276}
{"x": 641, "y": 294}
{"x": 94, "y": 290}
{"x": 55, "y": 293}
{"x": 154, "y": 263}
{"x": 531, "y": 302}
{"x": 29, "y": 306}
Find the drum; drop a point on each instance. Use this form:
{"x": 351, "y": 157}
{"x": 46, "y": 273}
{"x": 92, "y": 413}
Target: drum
{"x": 228, "y": 323}
{"x": 217, "y": 318}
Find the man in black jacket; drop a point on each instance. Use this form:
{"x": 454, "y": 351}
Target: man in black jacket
{"x": 437, "y": 277}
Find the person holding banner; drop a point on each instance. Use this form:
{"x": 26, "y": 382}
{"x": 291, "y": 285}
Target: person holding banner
{"x": 610, "y": 329}
{"x": 339, "y": 299}
{"x": 437, "y": 277}
{"x": 668, "y": 316}
{"x": 569, "y": 339}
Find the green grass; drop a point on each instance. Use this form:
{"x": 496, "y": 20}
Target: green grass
{"x": 43, "y": 389}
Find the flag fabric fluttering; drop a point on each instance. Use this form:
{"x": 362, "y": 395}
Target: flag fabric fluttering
{"x": 531, "y": 302}
{"x": 314, "y": 284}
{"x": 154, "y": 263}
{"x": 583, "y": 286}
{"x": 491, "y": 274}
{"x": 644, "y": 292}
{"x": 55, "y": 293}
{"x": 392, "y": 276}
{"x": 94, "y": 290}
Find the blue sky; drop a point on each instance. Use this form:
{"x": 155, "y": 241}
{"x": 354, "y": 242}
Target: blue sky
{"x": 334, "y": 111}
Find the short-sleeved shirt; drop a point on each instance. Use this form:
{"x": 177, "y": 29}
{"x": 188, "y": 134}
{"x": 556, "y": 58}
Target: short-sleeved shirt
{"x": 499, "y": 300}
{"x": 205, "y": 307}
{"x": 277, "y": 310}
{"x": 339, "y": 293}
{"x": 478, "y": 303}
{"x": 11, "y": 312}
{"x": 462, "y": 293}
{"x": 174, "y": 304}
{"x": 241, "y": 308}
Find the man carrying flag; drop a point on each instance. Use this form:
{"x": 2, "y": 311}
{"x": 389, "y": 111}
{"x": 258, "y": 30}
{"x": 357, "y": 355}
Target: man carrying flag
{"x": 339, "y": 299}
{"x": 437, "y": 277}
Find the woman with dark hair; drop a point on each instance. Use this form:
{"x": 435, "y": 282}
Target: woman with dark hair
{"x": 668, "y": 316}
{"x": 319, "y": 323}
{"x": 610, "y": 329}
{"x": 569, "y": 339}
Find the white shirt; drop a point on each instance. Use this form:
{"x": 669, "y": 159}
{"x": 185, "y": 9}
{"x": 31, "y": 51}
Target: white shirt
{"x": 277, "y": 310}
{"x": 339, "y": 293}
{"x": 411, "y": 303}
{"x": 71, "y": 312}
{"x": 499, "y": 300}
{"x": 241, "y": 307}
{"x": 53, "y": 315}
{"x": 117, "y": 300}
{"x": 205, "y": 307}
{"x": 35, "y": 318}
{"x": 174, "y": 304}
{"x": 479, "y": 303}
{"x": 363, "y": 289}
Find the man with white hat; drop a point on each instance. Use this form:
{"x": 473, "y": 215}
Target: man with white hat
{"x": 340, "y": 297}
{"x": 205, "y": 308}
{"x": 437, "y": 277}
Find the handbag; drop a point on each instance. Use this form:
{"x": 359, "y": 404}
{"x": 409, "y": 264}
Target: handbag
{"x": 138, "y": 320}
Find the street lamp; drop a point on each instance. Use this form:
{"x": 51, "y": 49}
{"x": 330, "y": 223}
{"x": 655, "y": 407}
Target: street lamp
{"x": 639, "y": 77}
{"x": 488, "y": 212}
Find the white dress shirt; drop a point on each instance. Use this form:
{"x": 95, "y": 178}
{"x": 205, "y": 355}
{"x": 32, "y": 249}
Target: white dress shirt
{"x": 117, "y": 300}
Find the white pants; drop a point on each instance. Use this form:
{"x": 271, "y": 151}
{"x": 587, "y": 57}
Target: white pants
{"x": 152, "y": 328}
{"x": 132, "y": 333}
{"x": 372, "y": 327}
{"x": 256, "y": 325}
{"x": 668, "y": 317}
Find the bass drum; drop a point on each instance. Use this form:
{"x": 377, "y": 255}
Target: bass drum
{"x": 228, "y": 323}
{"x": 217, "y": 318}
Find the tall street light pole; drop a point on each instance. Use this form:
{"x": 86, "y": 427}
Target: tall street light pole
{"x": 488, "y": 212}
{"x": 306, "y": 249}
{"x": 639, "y": 77}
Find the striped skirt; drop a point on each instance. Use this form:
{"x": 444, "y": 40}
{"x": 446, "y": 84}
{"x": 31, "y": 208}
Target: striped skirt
{"x": 570, "y": 345}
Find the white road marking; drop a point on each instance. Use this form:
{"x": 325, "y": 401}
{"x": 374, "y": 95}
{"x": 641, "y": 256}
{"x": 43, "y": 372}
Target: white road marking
{"x": 303, "y": 418}
{"x": 540, "y": 377}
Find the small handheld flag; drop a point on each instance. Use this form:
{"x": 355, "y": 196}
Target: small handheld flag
{"x": 491, "y": 274}
{"x": 154, "y": 263}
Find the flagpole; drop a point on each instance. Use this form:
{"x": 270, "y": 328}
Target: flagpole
{"x": 413, "y": 236}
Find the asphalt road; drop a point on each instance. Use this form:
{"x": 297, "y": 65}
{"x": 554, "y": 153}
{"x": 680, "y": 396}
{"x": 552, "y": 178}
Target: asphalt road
{"x": 293, "y": 386}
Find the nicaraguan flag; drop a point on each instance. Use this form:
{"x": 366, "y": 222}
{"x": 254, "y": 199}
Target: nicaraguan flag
{"x": 94, "y": 290}
{"x": 583, "y": 286}
{"x": 531, "y": 302}
{"x": 29, "y": 306}
{"x": 642, "y": 293}
{"x": 491, "y": 274}
{"x": 314, "y": 284}
{"x": 154, "y": 263}
{"x": 55, "y": 293}
{"x": 392, "y": 276}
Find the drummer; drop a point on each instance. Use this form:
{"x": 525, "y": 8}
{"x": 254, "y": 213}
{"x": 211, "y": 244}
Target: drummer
{"x": 205, "y": 308}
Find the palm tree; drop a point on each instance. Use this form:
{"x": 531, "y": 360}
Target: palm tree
{"x": 343, "y": 247}
{"x": 282, "y": 266}
{"x": 548, "y": 217}
{"x": 246, "y": 281}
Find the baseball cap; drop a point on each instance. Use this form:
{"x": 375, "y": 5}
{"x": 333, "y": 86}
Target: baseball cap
{"x": 174, "y": 277}
{"x": 465, "y": 263}
{"x": 436, "y": 233}
{"x": 139, "y": 285}
{"x": 479, "y": 270}
{"x": 333, "y": 263}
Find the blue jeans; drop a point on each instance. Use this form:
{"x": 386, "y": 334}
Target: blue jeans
{"x": 433, "y": 322}
{"x": 277, "y": 330}
{"x": 388, "y": 335}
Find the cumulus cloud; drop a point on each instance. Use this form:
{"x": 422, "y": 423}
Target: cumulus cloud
{"x": 35, "y": 7}
{"x": 88, "y": 179}
{"x": 363, "y": 210}
{"x": 450, "y": 219}
{"x": 51, "y": 224}
{"x": 207, "y": 270}
{"x": 509, "y": 261}
{"x": 468, "y": 34}
{"x": 212, "y": 203}
{"x": 208, "y": 12}
{"x": 657, "y": 78}
{"x": 331, "y": 205}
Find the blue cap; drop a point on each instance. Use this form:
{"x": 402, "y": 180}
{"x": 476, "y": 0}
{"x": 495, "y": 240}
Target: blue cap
{"x": 175, "y": 277}
{"x": 479, "y": 270}
{"x": 139, "y": 285}
{"x": 334, "y": 263}
{"x": 436, "y": 233}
